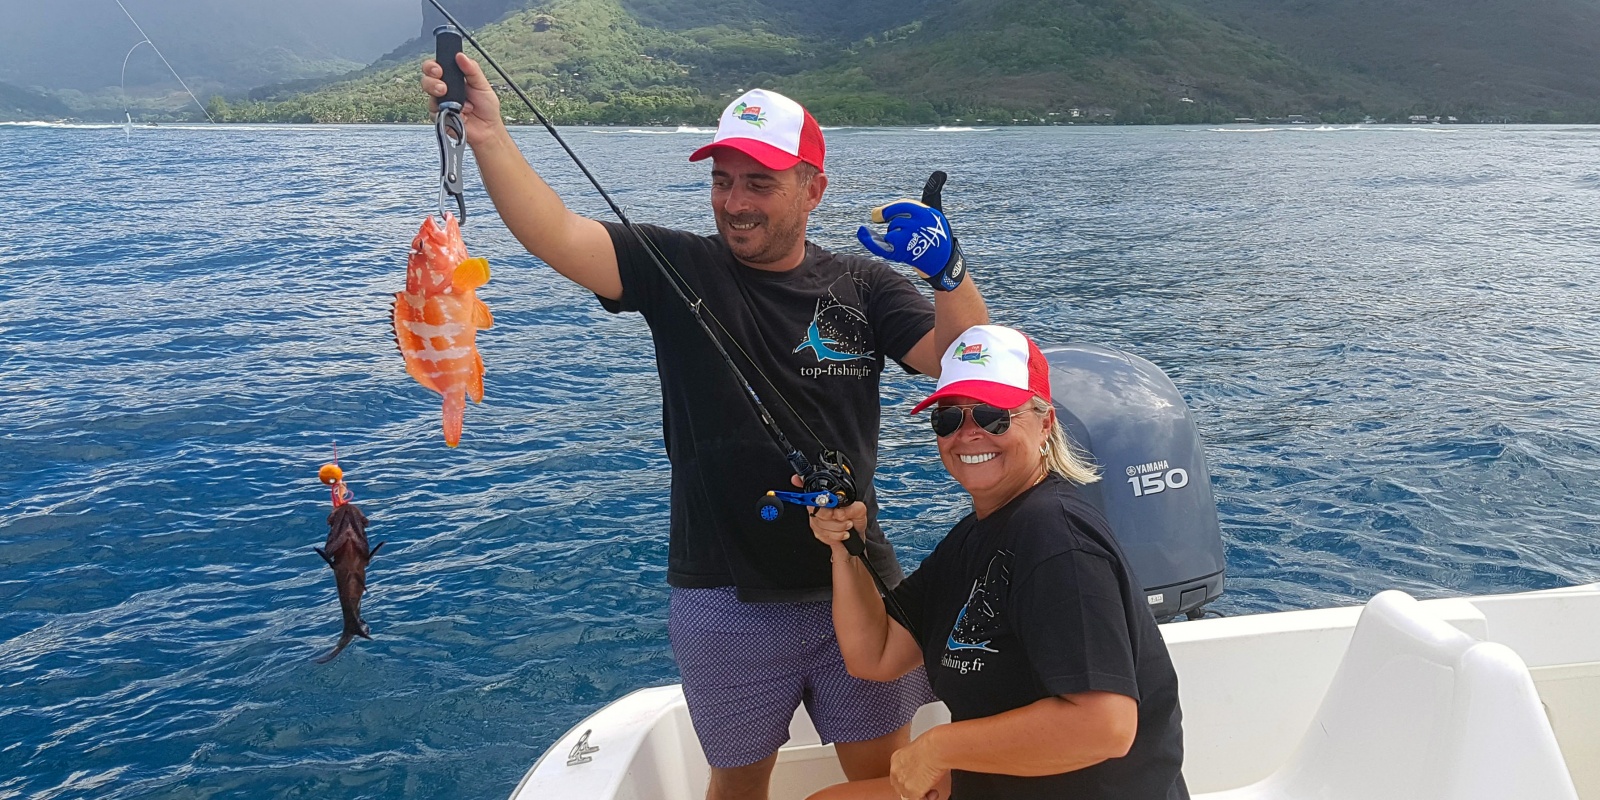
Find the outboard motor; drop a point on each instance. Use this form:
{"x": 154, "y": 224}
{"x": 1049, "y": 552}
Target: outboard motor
{"x": 1154, "y": 488}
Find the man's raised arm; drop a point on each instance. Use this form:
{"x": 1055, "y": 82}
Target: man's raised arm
{"x": 953, "y": 312}
{"x": 577, "y": 247}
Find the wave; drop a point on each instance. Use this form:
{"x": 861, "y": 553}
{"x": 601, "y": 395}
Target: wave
{"x": 955, "y": 129}
{"x": 1290, "y": 129}
{"x": 80, "y": 125}
{"x": 228, "y": 126}
{"x": 169, "y": 126}
{"x": 656, "y": 131}
{"x": 1332, "y": 129}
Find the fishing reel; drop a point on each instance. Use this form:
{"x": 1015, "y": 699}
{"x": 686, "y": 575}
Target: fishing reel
{"x": 828, "y": 484}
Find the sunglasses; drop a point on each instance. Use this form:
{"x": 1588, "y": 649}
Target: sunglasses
{"x": 992, "y": 419}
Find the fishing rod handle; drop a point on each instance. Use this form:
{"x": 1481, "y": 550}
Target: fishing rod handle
{"x": 855, "y": 545}
{"x": 447, "y": 44}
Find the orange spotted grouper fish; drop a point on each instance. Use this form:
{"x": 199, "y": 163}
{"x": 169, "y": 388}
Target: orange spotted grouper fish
{"x": 437, "y": 317}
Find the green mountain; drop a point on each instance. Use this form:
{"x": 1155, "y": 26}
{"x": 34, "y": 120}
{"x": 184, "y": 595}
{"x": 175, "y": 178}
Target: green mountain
{"x": 1132, "y": 60}
{"x": 1493, "y": 57}
{"x": 581, "y": 60}
{"x": 17, "y": 103}
{"x": 91, "y": 56}
{"x": 921, "y": 61}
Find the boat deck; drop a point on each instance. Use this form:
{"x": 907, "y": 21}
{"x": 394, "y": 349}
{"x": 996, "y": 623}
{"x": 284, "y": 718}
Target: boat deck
{"x": 1250, "y": 688}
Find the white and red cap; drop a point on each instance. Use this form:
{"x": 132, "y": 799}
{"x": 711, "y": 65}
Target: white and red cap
{"x": 771, "y": 129}
{"x": 992, "y": 364}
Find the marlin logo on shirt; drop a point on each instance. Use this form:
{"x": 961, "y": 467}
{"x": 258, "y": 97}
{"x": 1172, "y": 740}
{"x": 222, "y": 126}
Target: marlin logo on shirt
{"x": 823, "y": 348}
{"x": 824, "y": 335}
{"x": 980, "y": 617}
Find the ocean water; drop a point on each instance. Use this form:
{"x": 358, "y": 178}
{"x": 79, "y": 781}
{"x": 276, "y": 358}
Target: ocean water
{"x": 1388, "y": 335}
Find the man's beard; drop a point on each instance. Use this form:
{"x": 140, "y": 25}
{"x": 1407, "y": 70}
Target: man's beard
{"x": 778, "y": 242}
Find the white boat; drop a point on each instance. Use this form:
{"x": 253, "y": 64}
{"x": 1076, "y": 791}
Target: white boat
{"x": 1466, "y": 698}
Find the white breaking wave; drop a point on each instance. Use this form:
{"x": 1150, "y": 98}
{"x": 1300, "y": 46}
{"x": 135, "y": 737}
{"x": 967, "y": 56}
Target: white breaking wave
{"x": 657, "y": 131}
{"x": 82, "y": 125}
{"x": 173, "y": 126}
{"x": 955, "y": 129}
{"x": 1334, "y": 129}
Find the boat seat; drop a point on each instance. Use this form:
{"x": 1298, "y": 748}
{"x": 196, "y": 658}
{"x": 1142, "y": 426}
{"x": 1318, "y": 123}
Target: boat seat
{"x": 1419, "y": 710}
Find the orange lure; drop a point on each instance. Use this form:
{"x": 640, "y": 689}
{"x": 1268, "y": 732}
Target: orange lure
{"x": 437, "y": 317}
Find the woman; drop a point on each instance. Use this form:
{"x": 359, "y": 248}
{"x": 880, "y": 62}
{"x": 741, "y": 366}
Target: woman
{"x": 1030, "y": 625}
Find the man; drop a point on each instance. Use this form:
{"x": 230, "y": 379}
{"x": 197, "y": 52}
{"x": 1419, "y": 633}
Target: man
{"x": 750, "y": 619}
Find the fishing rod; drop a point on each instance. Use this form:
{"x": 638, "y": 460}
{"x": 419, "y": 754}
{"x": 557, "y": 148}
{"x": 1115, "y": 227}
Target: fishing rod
{"x": 827, "y": 481}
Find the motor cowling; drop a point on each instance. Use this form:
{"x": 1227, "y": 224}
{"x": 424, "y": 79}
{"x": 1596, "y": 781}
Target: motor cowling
{"x": 1154, "y": 489}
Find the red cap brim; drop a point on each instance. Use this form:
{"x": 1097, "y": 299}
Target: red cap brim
{"x": 995, "y": 394}
{"x": 767, "y": 155}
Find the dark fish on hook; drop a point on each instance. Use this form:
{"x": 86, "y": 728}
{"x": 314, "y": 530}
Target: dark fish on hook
{"x": 346, "y": 552}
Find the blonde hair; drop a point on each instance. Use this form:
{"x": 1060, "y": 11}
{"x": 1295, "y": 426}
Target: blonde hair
{"x": 1061, "y": 456}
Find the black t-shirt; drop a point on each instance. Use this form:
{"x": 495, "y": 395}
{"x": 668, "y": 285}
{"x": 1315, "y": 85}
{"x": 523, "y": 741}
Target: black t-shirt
{"x": 1034, "y": 601}
{"x": 820, "y": 333}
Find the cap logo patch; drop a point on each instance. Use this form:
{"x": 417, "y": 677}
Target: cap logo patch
{"x": 972, "y": 353}
{"x": 750, "y": 114}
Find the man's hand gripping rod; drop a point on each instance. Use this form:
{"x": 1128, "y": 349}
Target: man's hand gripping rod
{"x": 829, "y": 485}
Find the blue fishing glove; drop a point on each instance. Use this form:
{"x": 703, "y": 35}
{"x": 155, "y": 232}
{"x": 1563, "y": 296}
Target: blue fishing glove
{"x": 919, "y": 235}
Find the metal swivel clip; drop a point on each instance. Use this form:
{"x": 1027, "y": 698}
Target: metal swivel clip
{"x": 449, "y": 127}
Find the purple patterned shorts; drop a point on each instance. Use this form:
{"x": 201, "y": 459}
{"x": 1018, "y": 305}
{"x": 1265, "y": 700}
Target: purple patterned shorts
{"x": 747, "y": 666}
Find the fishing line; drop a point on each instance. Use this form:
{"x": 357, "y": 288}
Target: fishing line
{"x": 158, "y": 55}
{"x": 127, "y": 107}
{"x": 832, "y": 477}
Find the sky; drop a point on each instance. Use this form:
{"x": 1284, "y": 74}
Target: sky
{"x": 81, "y": 44}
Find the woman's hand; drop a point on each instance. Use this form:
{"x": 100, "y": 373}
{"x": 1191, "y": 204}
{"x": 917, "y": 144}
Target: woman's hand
{"x": 915, "y": 771}
{"x": 832, "y": 526}
{"x": 481, "y": 111}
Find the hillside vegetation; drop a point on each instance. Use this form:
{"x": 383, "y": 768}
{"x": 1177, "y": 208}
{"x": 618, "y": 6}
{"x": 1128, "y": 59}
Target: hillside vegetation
{"x": 1025, "y": 61}
{"x": 75, "y": 50}
{"x": 580, "y": 60}
{"x": 17, "y": 103}
{"x": 1536, "y": 59}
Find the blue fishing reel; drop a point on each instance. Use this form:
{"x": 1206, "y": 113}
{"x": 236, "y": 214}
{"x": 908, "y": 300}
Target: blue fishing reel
{"x": 829, "y": 484}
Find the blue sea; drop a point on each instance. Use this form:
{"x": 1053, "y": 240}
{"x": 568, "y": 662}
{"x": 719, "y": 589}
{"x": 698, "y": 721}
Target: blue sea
{"x": 1388, "y": 336}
